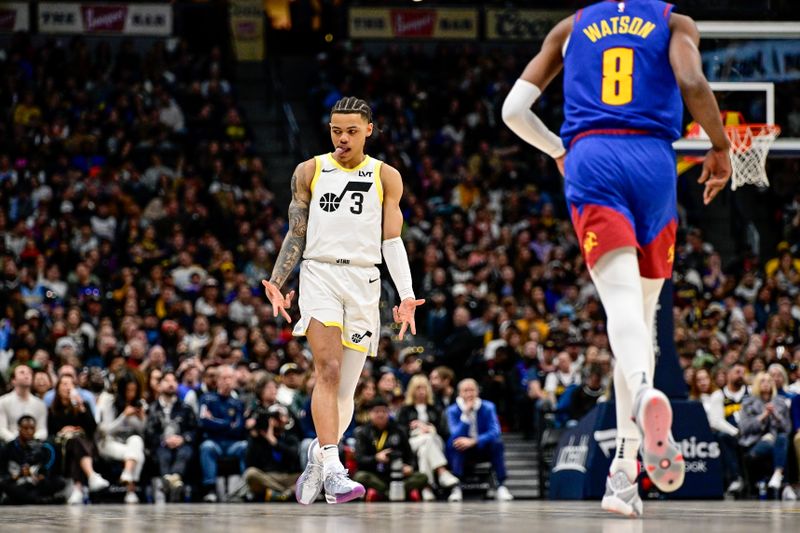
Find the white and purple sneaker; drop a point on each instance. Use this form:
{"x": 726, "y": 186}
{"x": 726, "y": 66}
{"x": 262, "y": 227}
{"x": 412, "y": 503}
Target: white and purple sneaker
{"x": 622, "y": 496}
{"x": 339, "y": 488}
{"x": 310, "y": 482}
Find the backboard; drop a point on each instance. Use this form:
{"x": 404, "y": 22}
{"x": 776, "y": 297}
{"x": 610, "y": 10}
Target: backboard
{"x": 754, "y": 69}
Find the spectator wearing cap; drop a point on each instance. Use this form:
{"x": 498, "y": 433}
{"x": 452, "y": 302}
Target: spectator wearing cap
{"x": 121, "y": 420}
{"x": 86, "y": 396}
{"x": 587, "y": 395}
{"x": 19, "y": 402}
{"x": 427, "y": 429}
{"x": 170, "y": 435}
{"x": 72, "y": 427}
{"x": 67, "y": 351}
{"x": 474, "y": 436}
{"x": 33, "y": 318}
{"x": 291, "y": 381}
{"x": 384, "y": 454}
{"x": 26, "y": 467}
{"x": 222, "y": 422}
{"x": 272, "y": 456}
{"x": 206, "y": 304}
{"x": 410, "y": 364}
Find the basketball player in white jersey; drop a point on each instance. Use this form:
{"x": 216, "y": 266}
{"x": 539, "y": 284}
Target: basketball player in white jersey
{"x": 344, "y": 215}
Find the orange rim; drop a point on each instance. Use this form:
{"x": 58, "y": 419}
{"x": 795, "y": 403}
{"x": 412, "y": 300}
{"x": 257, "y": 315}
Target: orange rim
{"x": 755, "y": 129}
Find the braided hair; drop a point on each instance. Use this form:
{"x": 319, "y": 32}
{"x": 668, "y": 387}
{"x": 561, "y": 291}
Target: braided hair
{"x": 353, "y": 105}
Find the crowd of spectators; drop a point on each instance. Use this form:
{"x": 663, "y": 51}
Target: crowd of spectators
{"x": 136, "y": 346}
{"x": 137, "y": 355}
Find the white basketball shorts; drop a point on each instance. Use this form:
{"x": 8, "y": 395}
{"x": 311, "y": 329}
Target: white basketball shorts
{"x": 343, "y": 296}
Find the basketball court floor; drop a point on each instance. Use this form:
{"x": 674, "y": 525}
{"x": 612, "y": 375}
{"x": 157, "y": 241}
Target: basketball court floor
{"x": 484, "y": 517}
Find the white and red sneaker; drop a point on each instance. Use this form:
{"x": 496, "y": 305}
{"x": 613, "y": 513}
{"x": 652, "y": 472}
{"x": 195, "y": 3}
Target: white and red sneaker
{"x": 661, "y": 456}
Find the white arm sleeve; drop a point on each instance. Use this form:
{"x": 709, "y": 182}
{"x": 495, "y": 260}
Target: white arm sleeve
{"x": 394, "y": 254}
{"x": 521, "y": 120}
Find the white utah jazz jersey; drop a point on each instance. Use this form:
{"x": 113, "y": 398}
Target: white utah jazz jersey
{"x": 346, "y": 213}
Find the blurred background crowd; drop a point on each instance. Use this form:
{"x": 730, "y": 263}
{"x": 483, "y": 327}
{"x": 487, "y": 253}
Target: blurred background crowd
{"x": 137, "y": 224}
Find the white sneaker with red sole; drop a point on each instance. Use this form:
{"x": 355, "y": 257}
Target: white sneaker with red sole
{"x": 661, "y": 456}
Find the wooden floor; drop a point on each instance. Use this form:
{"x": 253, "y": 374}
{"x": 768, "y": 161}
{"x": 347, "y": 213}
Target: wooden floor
{"x": 484, "y": 517}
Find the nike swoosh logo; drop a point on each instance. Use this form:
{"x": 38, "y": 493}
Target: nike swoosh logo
{"x": 328, "y": 169}
{"x": 374, "y": 280}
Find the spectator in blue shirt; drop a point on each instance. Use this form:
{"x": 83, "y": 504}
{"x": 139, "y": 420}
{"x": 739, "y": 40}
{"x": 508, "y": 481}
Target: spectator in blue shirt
{"x": 222, "y": 422}
{"x": 475, "y": 436}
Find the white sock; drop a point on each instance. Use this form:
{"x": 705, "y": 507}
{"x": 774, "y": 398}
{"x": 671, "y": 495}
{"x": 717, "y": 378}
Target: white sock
{"x": 330, "y": 458}
{"x": 316, "y": 452}
{"x": 616, "y": 276}
{"x": 625, "y": 458}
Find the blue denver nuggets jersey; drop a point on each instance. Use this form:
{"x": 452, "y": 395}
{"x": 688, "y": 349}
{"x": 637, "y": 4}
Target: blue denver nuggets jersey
{"x": 617, "y": 73}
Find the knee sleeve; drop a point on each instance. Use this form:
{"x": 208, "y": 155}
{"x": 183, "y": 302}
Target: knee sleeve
{"x": 352, "y": 365}
{"x": 616, "y": 276}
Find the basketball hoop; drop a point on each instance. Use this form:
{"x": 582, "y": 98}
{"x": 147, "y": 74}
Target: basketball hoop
{"x": 750, "y": 144}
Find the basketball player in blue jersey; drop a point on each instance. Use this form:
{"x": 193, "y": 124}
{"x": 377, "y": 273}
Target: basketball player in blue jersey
{"x": 343, "y": 218}
{"x": 626, "y": 65}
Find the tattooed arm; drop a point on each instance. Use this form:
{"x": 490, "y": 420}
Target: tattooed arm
{"x": 295, "y": 241}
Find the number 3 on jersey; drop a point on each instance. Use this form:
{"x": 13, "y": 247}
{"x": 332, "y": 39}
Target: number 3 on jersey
{"x": 617, "y": 76}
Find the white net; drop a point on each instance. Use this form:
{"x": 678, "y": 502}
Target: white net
{"x": 750, "y": 145}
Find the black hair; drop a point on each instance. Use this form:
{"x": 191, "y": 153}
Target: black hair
{"x": 23, "y": 418}
{"x": 353, "y": 105}
{"x": 377, "y": 402}
{"x": 120, "y": 403}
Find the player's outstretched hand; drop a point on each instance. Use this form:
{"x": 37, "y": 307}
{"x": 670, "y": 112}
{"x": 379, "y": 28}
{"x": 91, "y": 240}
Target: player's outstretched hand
{"x": 405, "y": 315}
{"x": 716, "y": 172}
{"x": 279, "y": 303}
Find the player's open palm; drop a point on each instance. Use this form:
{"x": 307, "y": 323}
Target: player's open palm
{"x": 404, "y": 315}
{"x": 279, "y": 303}
{"x": 715, "y": 175}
